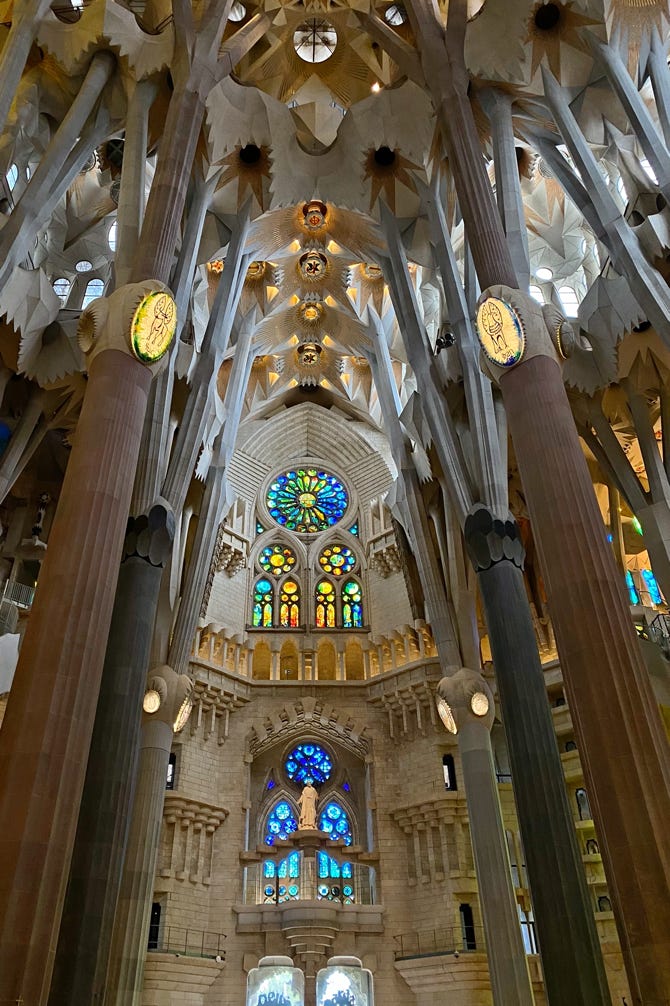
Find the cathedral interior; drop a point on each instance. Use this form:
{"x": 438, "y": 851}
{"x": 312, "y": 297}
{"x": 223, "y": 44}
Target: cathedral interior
{"x": 334, "y": 502}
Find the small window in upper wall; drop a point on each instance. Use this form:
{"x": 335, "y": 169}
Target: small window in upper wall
{"x": 569, "y": 301}
{"x": 12, "y": 176}
{"x": 171, "y": 771}
{"x": 111, "y": 236}
{"x": 449, "y": 771}
{"x": 536, "y": 294}
{"x": 62, "y": 289}
{"x": 94, "y": 289}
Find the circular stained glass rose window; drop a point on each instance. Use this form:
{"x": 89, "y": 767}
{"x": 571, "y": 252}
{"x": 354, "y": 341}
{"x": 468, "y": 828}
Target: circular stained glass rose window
{"x": 276, "y": 560}
{"x": 307, "y": 500}
{"x": 337, "y": 560}
{"x": 308, "y": 763}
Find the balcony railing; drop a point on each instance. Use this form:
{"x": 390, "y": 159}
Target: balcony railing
{"x": 19, "y": 594}
{"x": 189, "y": 942}
{"x": 446, "y": 940}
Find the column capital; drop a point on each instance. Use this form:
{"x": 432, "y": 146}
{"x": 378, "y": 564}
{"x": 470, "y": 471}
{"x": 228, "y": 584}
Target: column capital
{"x": 490, "y": 540}
{"x": 512, "y": 328}
{"x": 150, "y": 536}
{"x": 138, "y": 319}
{"x": 464, "y": 697}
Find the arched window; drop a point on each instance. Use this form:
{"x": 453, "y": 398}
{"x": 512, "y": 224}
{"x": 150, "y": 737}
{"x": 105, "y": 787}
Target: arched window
{"x": 289, "y": 605}
{"x": 325, "y": 605}
{"x": 263, "y": 596}
{"x": 528, "y": 931}
{"x": 569, "y": 300}
{"x": 536, "y": 294}
{"x": 62, "y": 289}
{"x": 633, "y": 595}
{"x": 281, "y": 823}
{"x": 12, "y": 176}
{"x": 335, "y": 879}
{"x": 583, "y": 805}
{"x": 604, "y": 904}
{"x": 94, "y": 289}
{"x": 652, "y": 586}
{"x": 449, "y": 772}
{"x": 111, "y": 236}
{"x": 352, "y": 605}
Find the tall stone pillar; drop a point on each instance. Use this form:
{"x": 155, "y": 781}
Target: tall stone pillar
{"x": 466, "y": 707}
{"x": 166, "y": 707}
{"x": 97, "y": 861}
{"x": 616, "y": 718}
{"x": 47, "y": 728}
{"x": 562, "y": 906}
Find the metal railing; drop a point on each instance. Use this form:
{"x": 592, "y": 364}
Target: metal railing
{"x": 432, "y": 942}
{"x": 189, "y": 942}
{"x": 659, "y": 632}
{"x": 19, "y": 594}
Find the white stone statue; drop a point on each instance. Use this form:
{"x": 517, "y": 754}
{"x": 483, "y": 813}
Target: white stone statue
{"x": 307, "y": 807}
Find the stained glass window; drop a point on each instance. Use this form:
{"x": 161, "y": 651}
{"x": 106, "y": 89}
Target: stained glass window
{"x": 632, "y": 592}
{"x": 281, "y": 823}
{"x": 352, "y": 605}
{"x": 285, "y": 879}
{"x": 259, "y": 527}
{"x": 262, "y": 613}
{"x": 354, "y": 529}
{"x": 276, "y": 560}
{"x": 652, "y": 586}
{"x": 334, "y": 820}
{"x": 338, "y": 560}
{"x": 289, "y": 605}
{"x": 308, "y": 763}
{"x": 325, "y": 605}
{"x": 307, "y": 500}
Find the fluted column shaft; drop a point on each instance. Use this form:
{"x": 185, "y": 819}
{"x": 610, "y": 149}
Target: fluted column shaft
{"x": 507, "y": 956}
{"x": 569, "y": 944}
{"x": 617, "y": 723}
{"x": 133, "y": 914}
{"x": 47, "y": 728}
{"x": 95, "y": 876}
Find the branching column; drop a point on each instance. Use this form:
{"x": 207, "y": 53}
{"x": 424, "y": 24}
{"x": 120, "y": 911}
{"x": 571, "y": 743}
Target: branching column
{"x": 616, "y": 719}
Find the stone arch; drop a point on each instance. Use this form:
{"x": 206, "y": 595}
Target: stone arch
{"x": 261, "y": 665}
{"x": 289, "y": 661}
{"x": 353, "y": 661}
{"x": 326, "y": 661}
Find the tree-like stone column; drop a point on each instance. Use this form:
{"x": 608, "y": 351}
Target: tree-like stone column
{"x": 467, "y": 709}
{"x": 97, "y": 861}
{"x": 617, "y": 723}
{"x": 47, "y": 728}
{"x": 133, "y": 914}
{"x": 571, "y": 958}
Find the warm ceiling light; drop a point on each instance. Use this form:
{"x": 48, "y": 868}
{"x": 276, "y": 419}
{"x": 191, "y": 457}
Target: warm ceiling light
{"x": 376, "y": 87}
{"x": 446, "y": 715}
{"x": 152, "y": 701}
{"x": 479, "y": 704}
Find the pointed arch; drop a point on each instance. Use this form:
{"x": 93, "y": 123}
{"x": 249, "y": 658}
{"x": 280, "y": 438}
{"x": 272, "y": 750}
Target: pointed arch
{"x": 263, "y": 604}
{"x": 289, "y": 604}
{"x": 352, "y": 604}
{"x": 324, "y": 604}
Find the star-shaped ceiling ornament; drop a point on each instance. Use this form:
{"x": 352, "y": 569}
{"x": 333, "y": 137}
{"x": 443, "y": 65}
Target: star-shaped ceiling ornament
{"x": 250, "y": 165}
{"x": 552, "y": 26}
{"x": 387, "y": 169}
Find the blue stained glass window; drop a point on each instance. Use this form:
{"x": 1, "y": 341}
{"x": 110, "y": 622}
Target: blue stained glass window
{"x": 652, "y": 586}
{"x": 354, "y": 529}
{"x": 259, "y": 527}
{"x": 308, "y": 763}
{"x": 334, "y": 821}
{"x": 632, "y": 592}
{"x": 352, "y": 606}
{"x": 281, "y": 823}
{"x": 307, "y": 500}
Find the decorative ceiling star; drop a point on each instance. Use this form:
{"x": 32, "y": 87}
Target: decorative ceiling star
{"x": 250, "y": 165}
{"x": 385, "y": 168}
{"x": 552, "y": 25}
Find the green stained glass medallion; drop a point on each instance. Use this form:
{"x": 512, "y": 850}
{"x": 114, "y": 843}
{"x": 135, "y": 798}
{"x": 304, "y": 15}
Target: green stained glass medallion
{"x": 307, "y": 500}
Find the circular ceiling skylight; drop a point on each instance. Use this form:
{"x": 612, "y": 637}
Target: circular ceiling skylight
{"x": 315, "y": 41}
